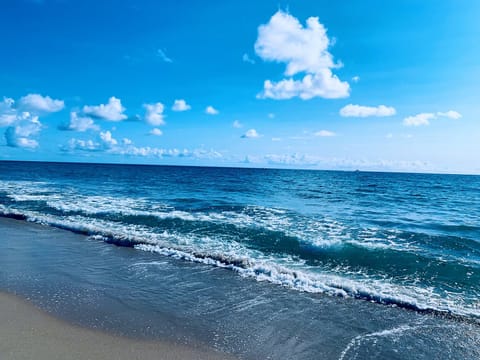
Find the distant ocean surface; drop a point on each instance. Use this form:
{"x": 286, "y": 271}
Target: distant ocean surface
{"x": 410, "y": 240}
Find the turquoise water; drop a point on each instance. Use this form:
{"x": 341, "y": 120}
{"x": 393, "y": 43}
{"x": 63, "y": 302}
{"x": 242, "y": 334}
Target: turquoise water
{"x": 412, "y": 240}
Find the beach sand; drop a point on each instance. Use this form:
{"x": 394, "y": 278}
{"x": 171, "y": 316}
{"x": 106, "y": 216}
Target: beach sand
{"x": 29, "y": 333}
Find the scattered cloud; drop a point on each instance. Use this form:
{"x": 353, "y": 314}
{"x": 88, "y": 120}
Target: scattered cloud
{"x": 324, "y": 133}
{"x": 82, "y": 145}
{"x": 106, "y": 143}
{"x": 107, "y": 140}
{"x": 424, "y": 119}
{"x": 211, "y": 110}
{"x": 304, "y": 50}
{"x": 8, "y": 115}
{"x": 156, "y": 132}
{"x": 112, "y": 111}
{"x": 450, "y": 114}
{"x": 37, "y": 103}
{"x": 276, "y": 139}
{"x": 356, "y": 79}
{"x": 180, "y": 105}
{"x": 247, "y": 59}
{"x": 154, "y": 114}
{"x": 79, "y": 123}
{"x": 250, "y": 134}
{"x": 237, "y": 124}
{"x": 22, "y": 125}
{"x": 322, "y": 84}
{"x": 19, "y": 135}
{"x": 367, "y": 111}
{"x": 161, "y": 54}
{"x": 271, "y": 116}
{"x": 297, "y": 160}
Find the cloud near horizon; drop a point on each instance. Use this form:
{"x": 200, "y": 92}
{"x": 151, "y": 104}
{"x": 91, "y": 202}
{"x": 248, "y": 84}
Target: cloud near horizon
{"x": 107, "y": 143}
{"x": 352, "y": 110}
{"x": 423, "y": 119}
{"x": 304, "y": 50}
{"x": 324, "y": 133}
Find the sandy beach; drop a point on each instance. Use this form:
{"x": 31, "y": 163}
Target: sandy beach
{"x": 29, "y": 333}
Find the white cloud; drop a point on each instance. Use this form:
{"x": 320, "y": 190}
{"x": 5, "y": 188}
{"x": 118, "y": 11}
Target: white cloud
{"x": 111, "y": 146}
{"x": 83, "y": 145}
{"x": 8, "y": 115}
{"x": 107, "y": 139}
{"x": 389, "y": 136}
{"x": 356, "y": 79}
{"x": 306, "y": 160}
{"x": 161, "y": 54}
{"x": 271, "y": 116}
{"x": 156, "y": 132}
{"x": 304, "y": 50}
{"x": 180, "y": 105}
{"x": 322, "y": 84}
{"x": 450, "y": 114}
{"x": 422, "y": 119}
{"x": 237, "y": 124}
{"x": 23, "y": 124}
{"x": 113, "y": 111}
{"x": 19, "y": 135}
{"x": 80, "y": 123}
{"x": 154, "y": 114}
{"x": 250, "y": 134}
{"x": 324, "y": 133}
{"x": 105, "y": 143}
{"x": 367, "y": 111}
{"x": 247, "y": 59}
{"x": 276, "y": 139}
{"x": 211, "y": 110}
{"x": 37, "y": 103}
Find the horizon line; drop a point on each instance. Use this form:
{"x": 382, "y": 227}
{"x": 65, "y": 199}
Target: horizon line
{"x": 241, "y": 167}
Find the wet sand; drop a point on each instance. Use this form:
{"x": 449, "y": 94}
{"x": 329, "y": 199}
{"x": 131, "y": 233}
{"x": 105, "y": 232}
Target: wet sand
{"x": 29, "y": 333}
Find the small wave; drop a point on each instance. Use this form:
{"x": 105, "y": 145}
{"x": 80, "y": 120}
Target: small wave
{"x": 249, "y": 263}
{"x": 382, "y": 292}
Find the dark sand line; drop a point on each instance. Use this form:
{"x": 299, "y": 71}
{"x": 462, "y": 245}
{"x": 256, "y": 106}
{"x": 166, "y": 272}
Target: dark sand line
{"x": 29, "y": 333}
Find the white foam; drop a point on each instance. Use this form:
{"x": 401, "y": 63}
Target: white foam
{"x": 226, "y": 252}
{"x": 393, "y": 332}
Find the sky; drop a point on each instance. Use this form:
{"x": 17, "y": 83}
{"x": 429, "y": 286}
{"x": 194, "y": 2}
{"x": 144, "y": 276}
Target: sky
{"x": 345, "y": 85}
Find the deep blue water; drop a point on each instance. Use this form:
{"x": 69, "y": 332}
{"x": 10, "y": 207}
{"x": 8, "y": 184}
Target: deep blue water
{"x": 411, "y": 240}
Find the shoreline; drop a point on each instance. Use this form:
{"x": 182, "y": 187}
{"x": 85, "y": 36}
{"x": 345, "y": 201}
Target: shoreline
{"x": 27, "y": 332}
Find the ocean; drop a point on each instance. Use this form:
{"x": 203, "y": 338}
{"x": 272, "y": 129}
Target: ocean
{"x": 262, "y": 263}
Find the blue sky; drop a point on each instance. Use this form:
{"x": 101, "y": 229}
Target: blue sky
{"x": 371, "y": 85}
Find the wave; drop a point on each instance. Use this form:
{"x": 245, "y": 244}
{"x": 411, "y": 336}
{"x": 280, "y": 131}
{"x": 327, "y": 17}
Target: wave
{"x": 288, "y": 271}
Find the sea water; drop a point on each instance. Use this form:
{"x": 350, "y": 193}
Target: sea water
{"x": 267, "y": 261}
